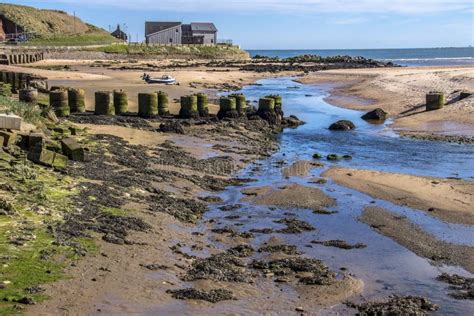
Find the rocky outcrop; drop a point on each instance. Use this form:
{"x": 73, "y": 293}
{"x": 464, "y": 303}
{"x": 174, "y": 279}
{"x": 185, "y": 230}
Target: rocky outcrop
{"x": 375, "y": 115}
{"x": 342, "y": 125}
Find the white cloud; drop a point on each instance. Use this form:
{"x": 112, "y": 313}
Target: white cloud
{"x": 300, "y": 6}
{"x": 349, "y": 21}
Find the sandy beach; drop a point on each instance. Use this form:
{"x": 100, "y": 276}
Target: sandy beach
{"x": 447, "y": 199}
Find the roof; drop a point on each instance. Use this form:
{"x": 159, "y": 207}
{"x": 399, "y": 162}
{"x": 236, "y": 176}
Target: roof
{"x": 154, "y": 27}
{"x": 186, "y": 27}
{"x": 206, "y": 27}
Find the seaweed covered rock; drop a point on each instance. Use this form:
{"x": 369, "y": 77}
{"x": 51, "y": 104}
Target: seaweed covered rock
{"x": 72, "y": 149}
{"x": 172, "y": 127}
{"x": 212, "y": 296}
{"x": 396, "y": 305}
{"x": 227, "y": 108}
{"x": 375, "y": 115}
{"x": 291, "y": 121}
{"x": 28, "y": 95}
{"x": 47, "y": 158}
{"x": 342, "y": 125}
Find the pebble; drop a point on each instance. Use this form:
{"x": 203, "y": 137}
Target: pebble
{"x": 299, "y": 309}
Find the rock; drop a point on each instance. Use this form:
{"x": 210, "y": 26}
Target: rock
{"x": 6, "y": 208}
{"x": 47, "y": 158}
{"x": 9, "y": 138}
{"x": 375, "y": 115}
{"x": 10, "y": 121}
{"x": 35, "y": 140}
{"x": 342, "y": 125}
{"x": 347, "y": 157}
{"x": 317, "y": 156}
{"x": 333, "y": 157}
{"x": 292, "y": 121}
{"x": 72, "y": 149}
{"x": 172, "y": 127}
{"x": 26, "y": 300}
{"x": 60, "y": 161}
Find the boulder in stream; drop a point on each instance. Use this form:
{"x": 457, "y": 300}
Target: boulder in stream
{"x": 375, "y": 115}
{"x": 342, "y": 125}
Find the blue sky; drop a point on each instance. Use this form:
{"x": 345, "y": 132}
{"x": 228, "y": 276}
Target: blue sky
{"x": 294, "y": 24}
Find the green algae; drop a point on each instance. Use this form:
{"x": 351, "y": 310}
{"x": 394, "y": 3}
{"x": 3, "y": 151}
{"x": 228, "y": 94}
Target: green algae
{"x": 29, "y": 253}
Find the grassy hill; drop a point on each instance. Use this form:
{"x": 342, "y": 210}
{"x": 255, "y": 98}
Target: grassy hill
{"x": 52, "y": 27}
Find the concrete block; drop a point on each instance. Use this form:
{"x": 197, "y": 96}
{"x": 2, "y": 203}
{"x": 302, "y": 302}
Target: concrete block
{"x": 72, "y": 149}
{"x": 43, "y": 157}
{"x": 60, "y": 161}
{"x": 10, "y": 121}
{"x": 9, "y": 138}
{"x": 35, "y": 140}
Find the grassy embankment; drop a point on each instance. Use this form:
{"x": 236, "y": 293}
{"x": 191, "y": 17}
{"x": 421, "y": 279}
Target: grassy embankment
{"x": 32, "y": 200}
{"x": 197, "y": 51}
{"x": 54, "y": 28}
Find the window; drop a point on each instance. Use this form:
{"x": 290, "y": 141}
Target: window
{"x": 171, "y": 40}
{"x": 177, "y": 30}
{"x": 212, "y": 41}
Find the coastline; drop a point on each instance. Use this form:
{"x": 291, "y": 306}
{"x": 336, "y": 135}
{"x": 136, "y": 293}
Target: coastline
{"x": 131, "y": 278}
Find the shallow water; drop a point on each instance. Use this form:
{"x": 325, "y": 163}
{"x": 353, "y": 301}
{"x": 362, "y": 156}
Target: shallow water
{"x": 384, "y": 266}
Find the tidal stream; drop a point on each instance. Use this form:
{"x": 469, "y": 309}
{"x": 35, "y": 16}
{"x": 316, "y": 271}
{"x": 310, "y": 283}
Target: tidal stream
{"x": 384, "y": 266}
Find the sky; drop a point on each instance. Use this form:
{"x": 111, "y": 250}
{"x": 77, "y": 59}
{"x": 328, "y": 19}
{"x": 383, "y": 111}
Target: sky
{"x": 293, "y": 24}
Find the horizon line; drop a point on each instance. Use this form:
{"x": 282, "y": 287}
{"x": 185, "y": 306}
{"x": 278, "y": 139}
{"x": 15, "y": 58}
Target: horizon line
{"x": 391, "y": 48}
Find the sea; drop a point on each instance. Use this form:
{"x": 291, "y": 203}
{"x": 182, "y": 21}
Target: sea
{"x": 450, "y": 56}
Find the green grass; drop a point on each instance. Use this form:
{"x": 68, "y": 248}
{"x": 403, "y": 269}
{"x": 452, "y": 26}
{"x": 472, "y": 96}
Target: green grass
{"x": 30, "y": 113}
{"x": 53, "y": 27}
{"x": 201, "y": 51}
{"x": 73, "y": 40}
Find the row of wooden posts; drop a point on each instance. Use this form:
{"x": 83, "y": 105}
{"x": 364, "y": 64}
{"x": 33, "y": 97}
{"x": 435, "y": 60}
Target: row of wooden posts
{"x": 21, "y": 58}
{"x": 15, "y": 80}
{"x": 151, "y": 105}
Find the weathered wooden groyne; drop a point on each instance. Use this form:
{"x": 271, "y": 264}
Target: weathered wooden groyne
{"x": 17, "y": 58}
{"x": 19, "y": 80}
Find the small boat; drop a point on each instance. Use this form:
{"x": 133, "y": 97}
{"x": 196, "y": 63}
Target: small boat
{"x": 164, "y": 79}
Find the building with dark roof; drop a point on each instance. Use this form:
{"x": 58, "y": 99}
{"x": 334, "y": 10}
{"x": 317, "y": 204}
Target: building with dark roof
{"x": 118, "y": 33}
{"x": 176, "y": 33}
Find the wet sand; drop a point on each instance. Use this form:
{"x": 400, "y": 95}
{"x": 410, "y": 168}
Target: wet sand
{"x": 447, "y": 199}
{"x": 292, "y": 196}
{"x": 401, "y": 92}
{"x": 411, "y": 236}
